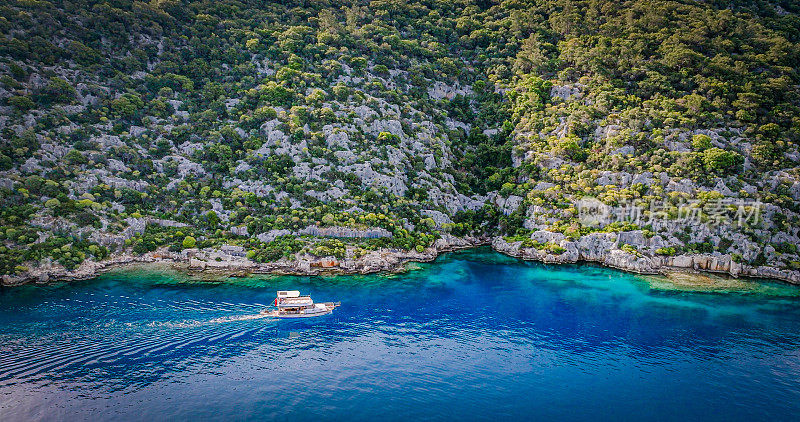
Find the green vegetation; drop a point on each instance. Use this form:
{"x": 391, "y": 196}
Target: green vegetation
{"x": 630, "y": 249}
{"x": 667, "y": 251}
{"x": 237, "y": 119}
{"x": 188, "y": 242}
{"x": 283, "y": 247}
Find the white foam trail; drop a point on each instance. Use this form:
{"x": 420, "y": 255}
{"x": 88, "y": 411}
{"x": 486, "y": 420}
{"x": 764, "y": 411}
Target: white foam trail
{"x": 43, "y": 358}
{"x": 239, "y": 318}
{"x": 200, "y": 323}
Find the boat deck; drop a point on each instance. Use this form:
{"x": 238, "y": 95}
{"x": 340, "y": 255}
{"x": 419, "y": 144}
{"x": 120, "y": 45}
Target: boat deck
{"x": 318, "y": 309}
{"x": 295, "y": 301}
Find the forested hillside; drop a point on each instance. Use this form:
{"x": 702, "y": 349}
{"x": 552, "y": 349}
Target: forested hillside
{"x": 334, "y": 128}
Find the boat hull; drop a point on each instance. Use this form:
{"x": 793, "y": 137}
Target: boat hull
{"x": 276, "y": 314}
{"x": 329, "y": 307}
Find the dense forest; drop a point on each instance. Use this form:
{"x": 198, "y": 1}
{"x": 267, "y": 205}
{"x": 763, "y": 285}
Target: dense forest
{"x": 132, "y": 126}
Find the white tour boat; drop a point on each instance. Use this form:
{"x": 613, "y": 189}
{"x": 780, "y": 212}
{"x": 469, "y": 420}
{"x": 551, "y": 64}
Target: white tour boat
{"x": 290, "y": 304}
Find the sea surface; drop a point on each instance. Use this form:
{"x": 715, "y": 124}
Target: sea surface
{"x": 472, "y": 336}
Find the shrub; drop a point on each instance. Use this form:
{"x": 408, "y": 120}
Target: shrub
{"x": 760, "y": 260}
{"x": 631, "y": 250}
{"x": 667, "y": 251}
{"x": 554, "y": 249}
{"x": 57, "y": 90}
{"x": 74, "y": 157}
{"x": 6, "y": 162}
{"x": 21, "y": 103}
{"x": 386, "y": 138}
{"x": 718, "y": 160}
{"x": 189, "y": 242}
{"x": 701, "y": 143}
{"x": 381, "y": 70}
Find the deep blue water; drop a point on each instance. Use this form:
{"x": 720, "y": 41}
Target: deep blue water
{"x": 471, "y": 336}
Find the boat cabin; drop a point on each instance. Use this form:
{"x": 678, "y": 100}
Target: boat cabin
{"x": 290, "y": 301}
{"x": 291, "y": 304}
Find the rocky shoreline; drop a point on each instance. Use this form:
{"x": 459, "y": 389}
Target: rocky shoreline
{"x": 233, "y": 264}
{"x": 604, "y": 249}
{"x": 600, "y": 248}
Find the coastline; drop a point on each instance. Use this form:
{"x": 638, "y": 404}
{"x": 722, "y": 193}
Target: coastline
{"x": 196, "y": 262}
{"x": 214, "y": 262}
{"x": 609, "y": 255}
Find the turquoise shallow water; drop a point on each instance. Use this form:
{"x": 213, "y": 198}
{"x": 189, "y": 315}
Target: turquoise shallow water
{"x": 472, "y": 336}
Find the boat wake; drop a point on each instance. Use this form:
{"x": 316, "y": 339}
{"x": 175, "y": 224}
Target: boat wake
{"x": 193, "y": 323}
{"x": 240, "y": 318}
{"x": 75, "y": 358}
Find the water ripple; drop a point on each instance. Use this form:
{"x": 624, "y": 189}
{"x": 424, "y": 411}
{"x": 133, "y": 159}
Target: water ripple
{"x": 471, "y": 332}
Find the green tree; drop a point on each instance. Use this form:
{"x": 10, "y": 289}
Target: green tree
{"x": 5, "y": 162}
{"x": 127, "y": 105}
{"x": 74, "y": 157}
{"x": 212, "y": 219}
{"x": 57, "y": 91}
{"x": 718, "y": 160}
